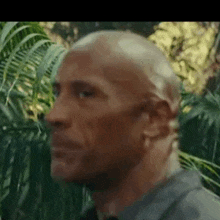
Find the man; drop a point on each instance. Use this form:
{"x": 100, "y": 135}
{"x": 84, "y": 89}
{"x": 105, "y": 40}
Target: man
{"x": 115, "y": 130}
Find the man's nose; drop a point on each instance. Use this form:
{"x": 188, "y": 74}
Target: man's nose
{"x": 59, "y": 116}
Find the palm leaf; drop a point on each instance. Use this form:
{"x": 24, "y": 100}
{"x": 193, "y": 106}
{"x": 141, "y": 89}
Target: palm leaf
{"x": 204, "y": 118}
{"x": 191, "y": 162}
{"x": 52, "y": 53}
{"x": 12, "y": 55}
{"x": 28, "y": 62}
{"x": 207, "y": 110}
{"x": 24, "y": 67}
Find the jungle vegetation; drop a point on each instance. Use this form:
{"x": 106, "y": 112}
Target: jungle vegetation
{"x": 30, "y": 55}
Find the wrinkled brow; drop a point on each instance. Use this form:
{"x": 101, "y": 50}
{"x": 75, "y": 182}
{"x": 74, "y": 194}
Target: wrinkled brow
{"x": 79, "y": 85}
{"x": 75, "y": 84}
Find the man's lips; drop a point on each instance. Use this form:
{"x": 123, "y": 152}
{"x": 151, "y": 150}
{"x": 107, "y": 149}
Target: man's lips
{"x": 66, "y": 154}
{"x": 58, "y": 153}
{"x": 62, "y": 146}
{"x": 61, "y": 141}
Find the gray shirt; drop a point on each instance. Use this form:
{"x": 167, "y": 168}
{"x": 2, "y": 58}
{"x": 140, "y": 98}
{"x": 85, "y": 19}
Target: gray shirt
{"x": 181, "y": 197}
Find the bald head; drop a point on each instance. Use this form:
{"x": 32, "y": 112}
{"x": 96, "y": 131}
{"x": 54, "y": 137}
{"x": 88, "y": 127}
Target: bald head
{"x": 115, "y": 48}
{"x": 116, "y": 97}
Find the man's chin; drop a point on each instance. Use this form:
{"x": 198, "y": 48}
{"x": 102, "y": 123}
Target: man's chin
{"x": 91, "y": 182}
{"x": 95, "y": 181}
{"x": 62, "y": 173}
{"x": 63, "y": 179}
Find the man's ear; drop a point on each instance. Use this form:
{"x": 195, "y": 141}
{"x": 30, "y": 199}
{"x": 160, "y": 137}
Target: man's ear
{"x": 158, "y": 120}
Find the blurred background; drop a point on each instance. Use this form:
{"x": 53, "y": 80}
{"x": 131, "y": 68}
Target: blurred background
{"x": 30, "y": 54}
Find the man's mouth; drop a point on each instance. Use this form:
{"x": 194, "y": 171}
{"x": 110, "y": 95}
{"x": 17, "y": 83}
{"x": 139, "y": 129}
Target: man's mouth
{"x": 64, "y": 153}
{"x": 57, "y": 153}
{"x": 61, "y": 143}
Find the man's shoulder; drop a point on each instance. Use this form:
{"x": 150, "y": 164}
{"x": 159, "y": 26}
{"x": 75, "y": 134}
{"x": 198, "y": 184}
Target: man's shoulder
{"x": 198, "y": 204}
{"x": 182, "y": 197}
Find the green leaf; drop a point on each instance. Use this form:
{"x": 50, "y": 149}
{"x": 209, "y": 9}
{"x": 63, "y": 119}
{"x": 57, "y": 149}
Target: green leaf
{"x": 13, "y": 54}
{"x": 208, "y": 179}
{"x": 23, "y": 195}
{"x": 56, "y": 66}
{"x": 23, "y": 62}
{"x": 4, "y": 43}
{"x": 53, "y": 51}
{"x": 28, "y": 191}
{"x": 6, "y": 29}
{"x": 196, "y": 159}
{"x": 6, "y": 112}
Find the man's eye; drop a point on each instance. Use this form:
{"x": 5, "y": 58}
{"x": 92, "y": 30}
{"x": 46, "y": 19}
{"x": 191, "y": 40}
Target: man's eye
{"x": 84, "y": 94}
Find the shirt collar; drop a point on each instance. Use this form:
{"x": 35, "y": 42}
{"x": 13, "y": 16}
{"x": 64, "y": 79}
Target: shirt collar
{"x": 155, "y": 203}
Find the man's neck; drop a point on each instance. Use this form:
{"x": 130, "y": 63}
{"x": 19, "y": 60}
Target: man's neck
{"x": 136, "y": 184}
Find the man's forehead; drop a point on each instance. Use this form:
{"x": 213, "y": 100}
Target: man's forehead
{"x": 75, "y": 64}
{"x": 122, "y": 66}
{"x": 104, "y": 49}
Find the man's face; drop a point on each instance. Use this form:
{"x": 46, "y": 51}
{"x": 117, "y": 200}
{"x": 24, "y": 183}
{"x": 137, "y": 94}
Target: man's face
{"x": 95, "y": 128}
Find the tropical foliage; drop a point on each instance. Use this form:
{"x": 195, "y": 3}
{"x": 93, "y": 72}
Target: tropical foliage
{"x": 191, "y": 49}
{"x": 67, "y": 33}
{"x": 28, "y": 63}
{"x": 199, "y": 134}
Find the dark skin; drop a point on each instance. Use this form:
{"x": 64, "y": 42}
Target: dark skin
{"x": 107, "y": 133}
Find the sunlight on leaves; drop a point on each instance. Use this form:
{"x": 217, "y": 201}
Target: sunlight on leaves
{"x": 187, "y": 46}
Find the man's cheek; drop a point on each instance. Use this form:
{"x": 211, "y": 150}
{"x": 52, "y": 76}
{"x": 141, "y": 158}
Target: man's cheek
{"x": 87, "y": 166}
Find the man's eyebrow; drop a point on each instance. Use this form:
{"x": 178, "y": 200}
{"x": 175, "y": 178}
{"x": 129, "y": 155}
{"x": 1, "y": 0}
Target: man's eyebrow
{"x": 80, "y": 83}
{"x": 75, "y": 83}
